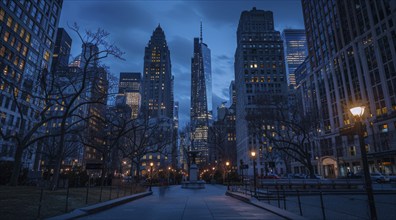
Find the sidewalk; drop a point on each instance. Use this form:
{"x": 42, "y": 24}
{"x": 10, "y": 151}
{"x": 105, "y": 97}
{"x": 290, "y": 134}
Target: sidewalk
{"x": 177, "y": 203}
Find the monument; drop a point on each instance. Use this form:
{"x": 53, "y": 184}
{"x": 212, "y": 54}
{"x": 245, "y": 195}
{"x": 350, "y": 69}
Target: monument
{"x": 193, "y": 182}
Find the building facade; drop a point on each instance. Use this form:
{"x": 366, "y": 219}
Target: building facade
{"x": 295, "y": 46}
{"x": 27, "y": 38}
{"x": 129, "y": 88}
{"x": 259, "y": 75}
{"x": 352, "y": 58}
{"x": 157, "y": 77}
{"x": 201, "y": 99}
{"x": 157, "y": 96}
{"x": 61, "y": 50}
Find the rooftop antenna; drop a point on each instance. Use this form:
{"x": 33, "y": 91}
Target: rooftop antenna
{"x": 200, "y": 38}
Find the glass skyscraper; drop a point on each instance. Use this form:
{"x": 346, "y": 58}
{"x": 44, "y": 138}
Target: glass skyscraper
{"x": 27, "y": 38}
{"x": 201, "y": 98}
{"x": 295, "y": 44}
{"x": 129, "y": 87}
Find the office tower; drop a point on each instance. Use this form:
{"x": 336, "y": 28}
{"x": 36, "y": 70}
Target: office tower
{"x": 232, "y": 94}
{"x": 157, "y": 77}
{"x": 61, "y": 50}
{"x": 352, "y": 55}
{"x": 129, "y": 87}
{"x": 295, "y": 46}
{"x": 259, "y": 76}
{"x": 175, "y": 136}
{"x": 201, "y": 99}
{"x": 27, "y": 37}
{"x": 222, "y": 136}
{"x": 157, "y": 95}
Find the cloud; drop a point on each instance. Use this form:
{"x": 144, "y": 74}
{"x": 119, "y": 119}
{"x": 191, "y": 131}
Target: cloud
{"x": 181, "y": 50}
{"x": 120, "y": 15}
{"x": 131, "y": 23}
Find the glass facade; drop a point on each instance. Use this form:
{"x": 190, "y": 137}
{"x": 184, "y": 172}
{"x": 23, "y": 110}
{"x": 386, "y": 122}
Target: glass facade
{"x": 295, "y": 44}
{"x": 201, "y": 99}
{"x": 27, "y": 38}
{"x": 351, "y": 46}
{"x": 129, "y": 86}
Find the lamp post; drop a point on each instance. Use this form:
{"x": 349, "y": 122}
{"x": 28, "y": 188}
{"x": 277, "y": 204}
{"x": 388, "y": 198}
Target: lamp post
{"x": 253, "y": 154}
{"x": 169, "y": 170}
{"x": 213, "y": 173}
{"x": 357, "y": 112}
{"x": 151, "y": 175}
{"x": 228, "y": 175}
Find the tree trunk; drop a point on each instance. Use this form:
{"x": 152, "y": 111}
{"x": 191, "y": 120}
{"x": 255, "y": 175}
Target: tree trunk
{"x": 38, "y": 156}
{"x": 58, "y": 161}
{"x": 104, "y": 169}
{"x": 17, "y": 166}
{"x": 138, "y": 172}
{"x": 310, "y": 168}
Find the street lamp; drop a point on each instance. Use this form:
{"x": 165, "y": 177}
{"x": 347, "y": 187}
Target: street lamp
{"x": 253, "y": 154}
{"x": 228, "y": 175}
{"x": 151, "y": 175}
{"x": 357, "y": 113}
{"x": 169, "y": 170}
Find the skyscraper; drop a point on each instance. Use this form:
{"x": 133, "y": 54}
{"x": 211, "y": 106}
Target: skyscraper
{"x": 129, "y": 87}
{"x": 201, "y": 98}
{"x": 352, "y": 59}
{"x": 157, "y": 95}
{"x": 157, "y": 77}
{"x": 27, "y": 37}
{"x": 232, "y": 94}
{"x": 61, "y": 50}
{"x": 295, "y": 45}
{"x": 259, "y": 75}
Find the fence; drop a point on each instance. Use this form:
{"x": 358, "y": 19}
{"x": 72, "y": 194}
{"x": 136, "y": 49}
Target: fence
{"x": 29, "y": 202}
{"x": 338, "y": 199}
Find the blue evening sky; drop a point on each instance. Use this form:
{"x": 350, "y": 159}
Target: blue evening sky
{"x": 131, "y": 23}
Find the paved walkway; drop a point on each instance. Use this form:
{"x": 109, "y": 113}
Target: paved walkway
{"x": 175, "y": 203}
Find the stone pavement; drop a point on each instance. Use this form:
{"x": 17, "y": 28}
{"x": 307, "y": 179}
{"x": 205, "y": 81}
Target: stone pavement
{"x": 176, "y": 203}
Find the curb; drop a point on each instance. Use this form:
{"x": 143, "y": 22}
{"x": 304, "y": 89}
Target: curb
{"x": 77, "y": 213}
{"x": 275, "y": 210}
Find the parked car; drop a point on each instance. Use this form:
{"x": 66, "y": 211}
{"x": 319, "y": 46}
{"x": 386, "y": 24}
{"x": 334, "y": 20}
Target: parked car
{"x": 379, "y": 178}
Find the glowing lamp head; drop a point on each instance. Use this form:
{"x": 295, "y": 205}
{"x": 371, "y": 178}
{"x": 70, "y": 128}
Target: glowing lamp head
{"x": 357, "y": 111}
{"x": 253, "y": 153}
{"x": 227, "y": 163}
{"x": 151, "y": 164}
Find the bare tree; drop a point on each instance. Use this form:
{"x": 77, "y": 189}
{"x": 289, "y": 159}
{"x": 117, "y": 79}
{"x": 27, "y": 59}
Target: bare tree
{"x": 286, "y": 129}
{"x": 91, "y": 77}
{"x": 58, "y": 98}
{"x": 147, "y": 136}
{"x": 217, "y": 138}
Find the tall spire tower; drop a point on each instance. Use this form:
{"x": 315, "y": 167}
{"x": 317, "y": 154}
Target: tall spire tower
{"x": 200, "y": 34}
{"x": 201, "y": 98}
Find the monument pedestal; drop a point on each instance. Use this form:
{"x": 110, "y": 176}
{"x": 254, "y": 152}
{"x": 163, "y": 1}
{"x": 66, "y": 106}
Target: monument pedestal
{"x": 194, "y": 183}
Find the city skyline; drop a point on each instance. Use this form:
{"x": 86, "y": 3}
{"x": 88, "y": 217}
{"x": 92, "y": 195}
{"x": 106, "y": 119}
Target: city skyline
{"x": 115, "y": 18}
